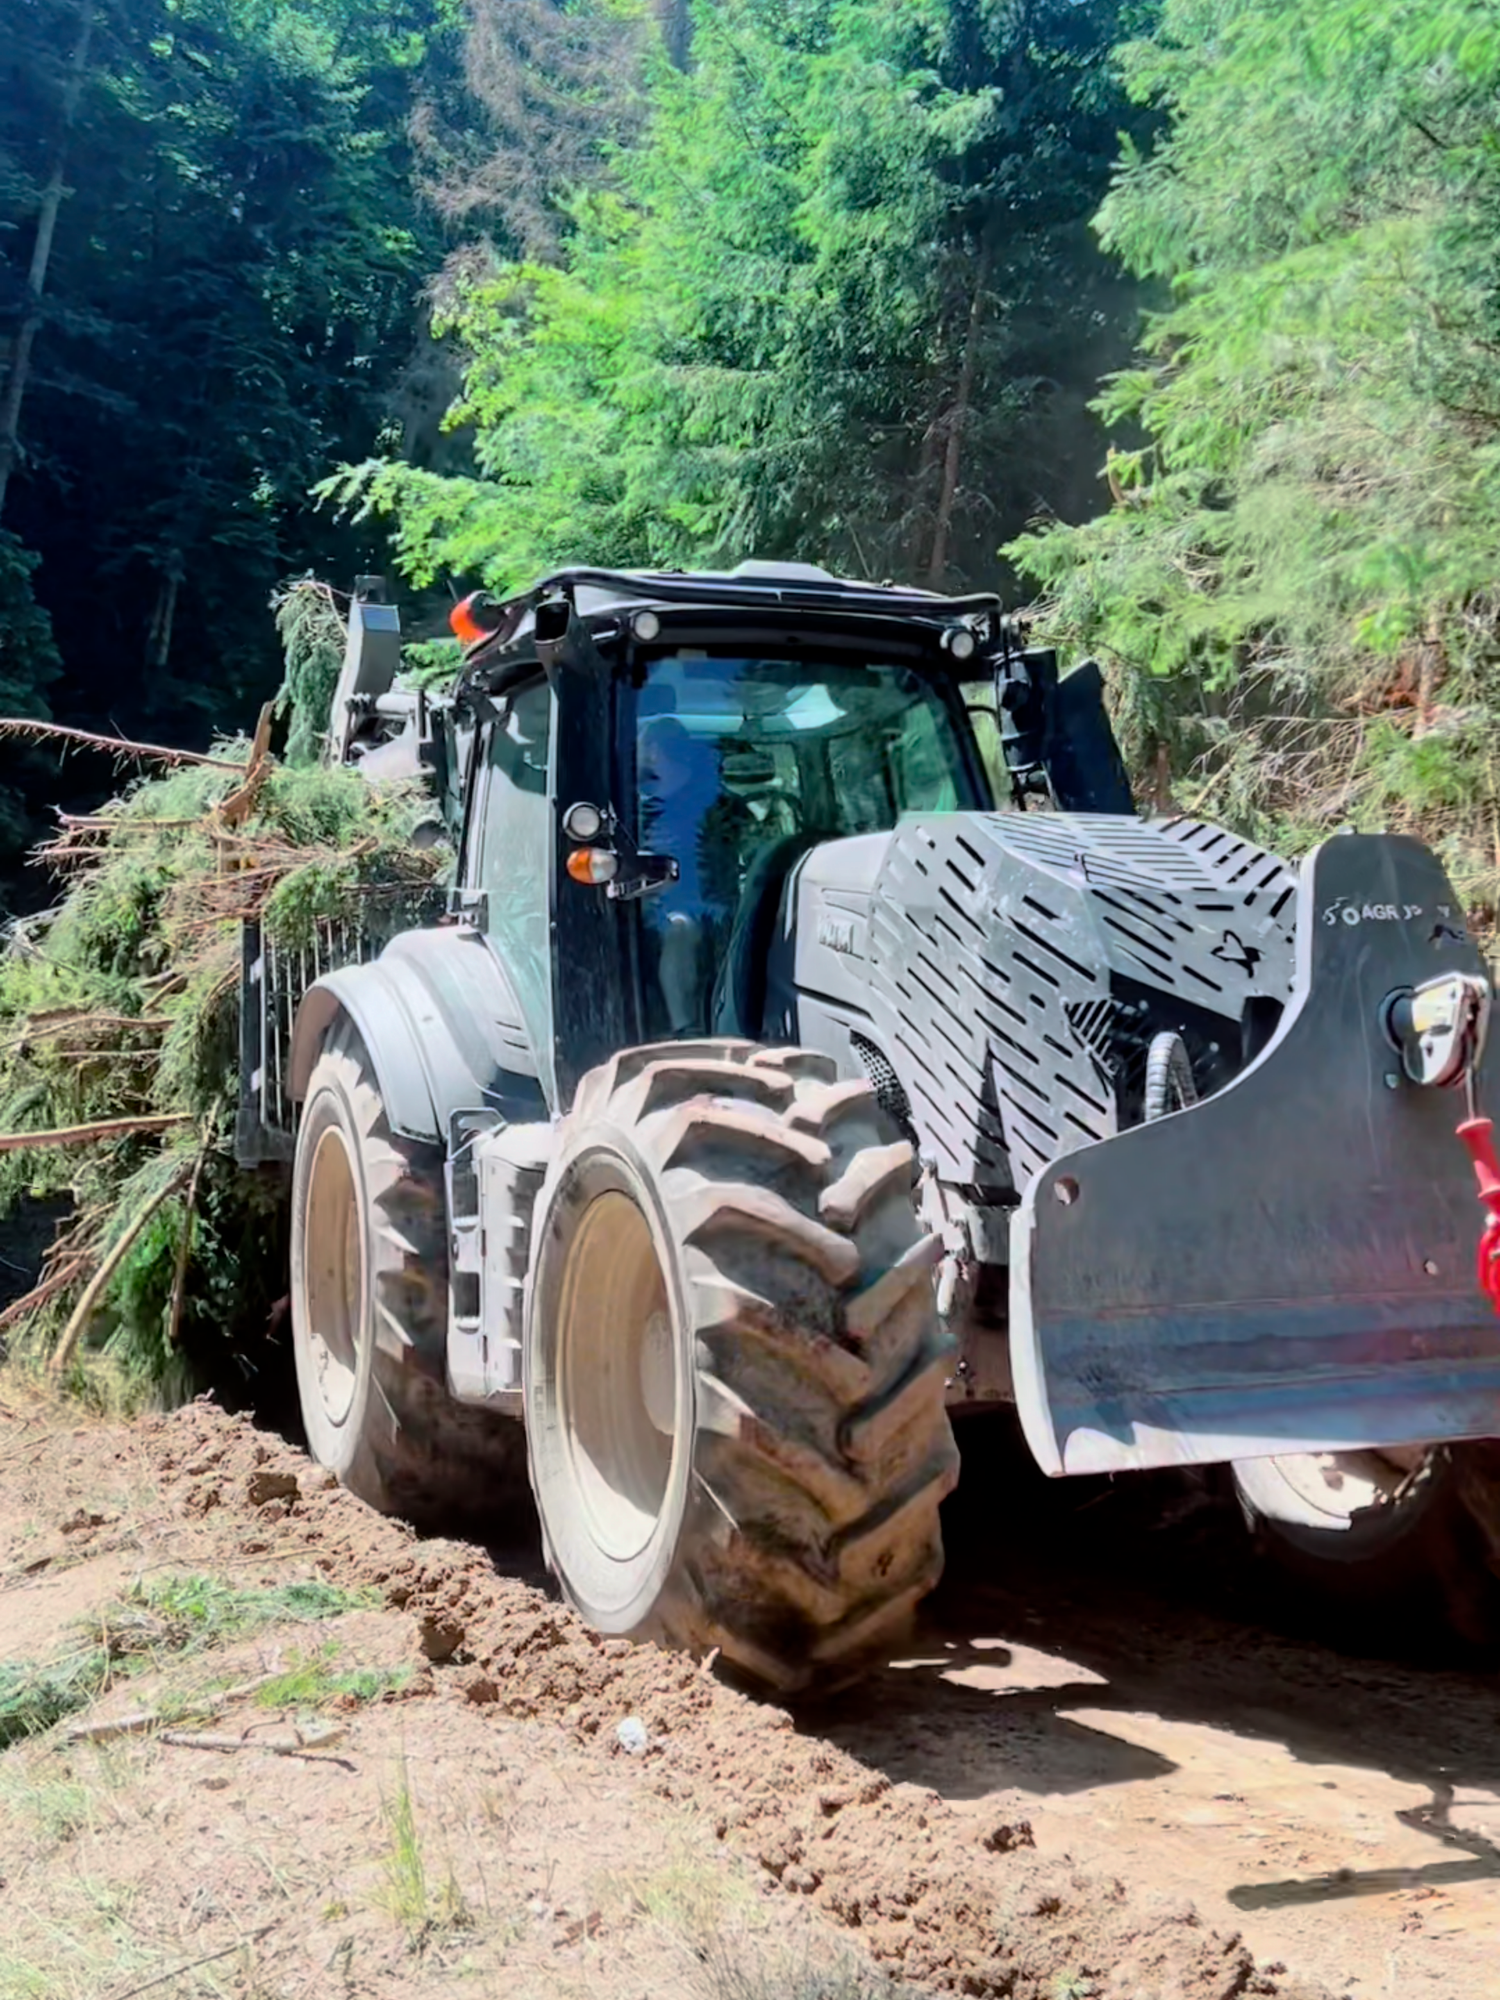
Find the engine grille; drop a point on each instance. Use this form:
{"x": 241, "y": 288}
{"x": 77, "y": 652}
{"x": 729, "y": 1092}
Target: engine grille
{"x": 889, "y": 1094}
{"x": 1021, "y": 962}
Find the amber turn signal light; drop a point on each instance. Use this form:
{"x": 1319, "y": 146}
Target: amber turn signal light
{"x": 593, "y": 864}
{"x": 466, "y": 627}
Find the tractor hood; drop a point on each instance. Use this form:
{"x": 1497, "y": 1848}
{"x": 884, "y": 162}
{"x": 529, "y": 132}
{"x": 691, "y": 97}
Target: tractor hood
{"x": 1011, "y": 969}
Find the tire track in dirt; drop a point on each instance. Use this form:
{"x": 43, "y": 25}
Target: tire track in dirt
{"x": 946, "y": 1900}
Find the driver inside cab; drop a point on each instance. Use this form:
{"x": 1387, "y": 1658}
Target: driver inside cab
{"x": 687, "y": 813}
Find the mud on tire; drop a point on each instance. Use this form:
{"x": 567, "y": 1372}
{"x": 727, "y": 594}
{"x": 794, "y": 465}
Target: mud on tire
{"x": 370, "y": 1314}
{"x": 735, "y": 1400}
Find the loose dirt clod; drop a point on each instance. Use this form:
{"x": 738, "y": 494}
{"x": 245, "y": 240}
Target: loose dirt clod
{"x": 439, "y": 1638}
{"x": 263, "y": 1487}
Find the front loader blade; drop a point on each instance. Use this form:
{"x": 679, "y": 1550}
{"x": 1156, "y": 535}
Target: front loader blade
{"x": 1290, "y": 1265}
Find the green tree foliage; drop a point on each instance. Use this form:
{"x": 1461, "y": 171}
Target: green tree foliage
{"x": 28, "y": 657}
{"x": 838, "y": 300}
{"x": 28, "y": 664}
{"x": 1297, "y": 578}
{"x": 232, "y": 299}
{"x": 123, "y": 1002}
{"x": 312, "y": 640}
{"x": 34, "y": 77}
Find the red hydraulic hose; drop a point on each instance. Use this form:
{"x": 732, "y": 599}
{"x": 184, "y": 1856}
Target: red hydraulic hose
{"x": 1478, "y": 1135}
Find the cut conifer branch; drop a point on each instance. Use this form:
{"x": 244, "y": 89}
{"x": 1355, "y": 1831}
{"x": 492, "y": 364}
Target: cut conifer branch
{"x": 54, "y": 1028}
{"x": 32, "y": 731}
{"x": 104, "y": 1128}
{"x": 55, "y": 1282}
{"x": 94, "y": 1291}
{"x": 185, "y": 1241}
{"x": 119, "y": 1020}
{"x": 240, "y": 803}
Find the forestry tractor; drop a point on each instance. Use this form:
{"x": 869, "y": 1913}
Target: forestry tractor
{"x": 769, "y": 1094}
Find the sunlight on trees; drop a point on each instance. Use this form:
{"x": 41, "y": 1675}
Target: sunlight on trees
{"x": 836, "y": 300}
{"x": 1297, "y": 579}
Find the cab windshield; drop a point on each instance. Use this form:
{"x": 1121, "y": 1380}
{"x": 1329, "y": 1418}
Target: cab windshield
{"x": 738, "y": 767}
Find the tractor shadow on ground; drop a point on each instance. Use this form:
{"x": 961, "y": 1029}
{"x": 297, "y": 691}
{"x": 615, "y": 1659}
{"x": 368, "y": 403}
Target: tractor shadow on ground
{"x": 1339, "y": 1883}
{"x": 1140, "y": 1598}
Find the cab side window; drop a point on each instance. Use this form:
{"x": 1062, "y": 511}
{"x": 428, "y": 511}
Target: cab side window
{"x": 515, "y": 850}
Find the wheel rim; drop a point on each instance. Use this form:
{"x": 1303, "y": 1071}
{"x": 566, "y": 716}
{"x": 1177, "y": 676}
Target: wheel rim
{"x": 1333, "y": 1490}
{"x": 617, "y": 1387}
{"x": 334, "y": 1265}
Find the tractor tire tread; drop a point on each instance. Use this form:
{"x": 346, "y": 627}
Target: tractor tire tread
{"x": 435, "y": 1462}
{"x": 812, "y": 1526}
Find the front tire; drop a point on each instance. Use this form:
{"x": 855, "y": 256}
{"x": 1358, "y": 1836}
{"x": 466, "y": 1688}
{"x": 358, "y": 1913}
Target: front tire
{"x": 734, "y": 1372}
{"x": 370, "y": 1313}
{"x": 1395, "y": 1542}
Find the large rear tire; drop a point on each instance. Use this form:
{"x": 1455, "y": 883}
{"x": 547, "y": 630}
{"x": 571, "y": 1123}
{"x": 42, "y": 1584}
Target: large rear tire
{"x": 734, "y": 1371}
{"x": 1397, "y": 1542}
{"x": 370, "y": 1313}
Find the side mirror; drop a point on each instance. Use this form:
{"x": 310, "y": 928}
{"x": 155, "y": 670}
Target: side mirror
{"x": 1087, "y": 771}
{"x": 1025, "y": 685}
{"x": 1057, "y": 736}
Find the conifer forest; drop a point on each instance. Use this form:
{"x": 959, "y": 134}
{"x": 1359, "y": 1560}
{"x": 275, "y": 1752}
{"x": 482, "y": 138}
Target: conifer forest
{"x": 1177, "y": 319}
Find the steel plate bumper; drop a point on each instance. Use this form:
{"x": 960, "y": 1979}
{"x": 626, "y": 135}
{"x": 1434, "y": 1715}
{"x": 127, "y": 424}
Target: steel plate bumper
{"x": 1290, "y": 1265}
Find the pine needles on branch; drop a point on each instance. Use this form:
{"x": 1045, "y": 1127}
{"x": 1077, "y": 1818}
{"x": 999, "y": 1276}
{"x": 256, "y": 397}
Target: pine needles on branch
{"x": 312, "y": 640}
{"x": 29, "y": 729}
{"x": 119, "y": 1051}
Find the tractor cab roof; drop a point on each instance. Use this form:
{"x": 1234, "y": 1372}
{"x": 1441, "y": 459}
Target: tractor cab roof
{"x": 757, "y": 602}
{"x": 753, "y": 585}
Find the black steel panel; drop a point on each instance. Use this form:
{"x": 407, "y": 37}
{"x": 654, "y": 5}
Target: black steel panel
{"x": 1008, "y": 954}
{"x": 1288, "y": 1266}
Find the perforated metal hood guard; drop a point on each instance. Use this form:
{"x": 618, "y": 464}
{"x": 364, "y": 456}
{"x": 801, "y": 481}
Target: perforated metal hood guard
{"x": 1289, "y": 1266}
{"x": 999, "y": 943}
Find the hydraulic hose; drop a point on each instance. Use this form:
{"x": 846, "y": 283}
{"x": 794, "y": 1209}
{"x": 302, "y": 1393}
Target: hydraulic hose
{"x": 1169, "y": 1076}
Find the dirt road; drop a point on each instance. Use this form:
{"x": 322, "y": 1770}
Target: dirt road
{"x": 1142, "y": 1699}
{"x": 320, "y": 1757}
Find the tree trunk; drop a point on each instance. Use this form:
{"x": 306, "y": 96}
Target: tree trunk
{"x": 41, "y": 257}
{"x": 1429, "y": 674}
{"x": 920, "y": 511}
{"x": 676, "y": 30}
{"x": 957, "y": 423}
{"x": 159, "y": 640}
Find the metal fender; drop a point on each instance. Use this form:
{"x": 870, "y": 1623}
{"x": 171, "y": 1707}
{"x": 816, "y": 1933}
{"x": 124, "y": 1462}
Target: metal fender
{"x": 443, "y": 1026}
